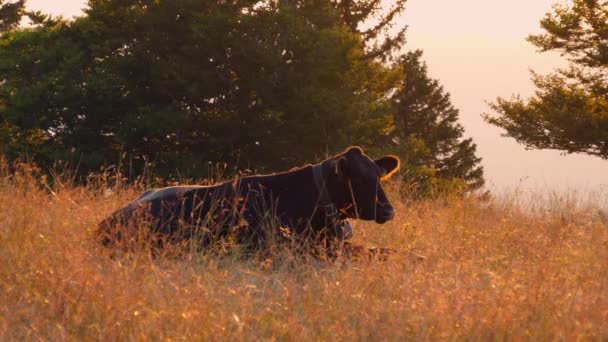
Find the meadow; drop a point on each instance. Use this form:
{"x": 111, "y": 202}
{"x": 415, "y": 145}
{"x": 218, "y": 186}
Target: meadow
{"x": 472, "y": 268}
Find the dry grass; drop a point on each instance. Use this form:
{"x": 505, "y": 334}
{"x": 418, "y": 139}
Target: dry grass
{"x": 492, "y": 271}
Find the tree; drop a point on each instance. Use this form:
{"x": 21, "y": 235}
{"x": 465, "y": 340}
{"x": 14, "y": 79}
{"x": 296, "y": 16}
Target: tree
{"x": 179, "y": 83}
{"x": 373, "y": 22}
{"x": 301, "y": 66}
{"x": 427, "y": 133}
{"x": 569, "y": 111}
{"x": 11, "y": 14}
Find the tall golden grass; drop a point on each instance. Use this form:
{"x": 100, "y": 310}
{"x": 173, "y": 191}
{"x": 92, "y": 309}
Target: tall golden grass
{"x": 492, "y": 270}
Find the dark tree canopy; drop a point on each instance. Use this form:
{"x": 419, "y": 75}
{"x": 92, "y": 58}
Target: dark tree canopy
{"x": 11, "y": 13}
{"x": 374, "y": 22}
{"x": 569, "y": 111}
{"x": 427, "y": 133}
{"x": 260, "y": 85}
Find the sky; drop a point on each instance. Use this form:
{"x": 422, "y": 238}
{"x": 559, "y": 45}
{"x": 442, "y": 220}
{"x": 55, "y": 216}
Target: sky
{"x": 477, "y": 50}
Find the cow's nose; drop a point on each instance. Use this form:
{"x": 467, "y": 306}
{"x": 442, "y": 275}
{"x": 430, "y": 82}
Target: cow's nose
{"x": 385, "y": 213}
{"x": 389, "y": 213}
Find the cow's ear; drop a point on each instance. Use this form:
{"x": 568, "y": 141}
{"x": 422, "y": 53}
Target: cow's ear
{"x": 389, "y": 164}
{"x": 338, "y": 167}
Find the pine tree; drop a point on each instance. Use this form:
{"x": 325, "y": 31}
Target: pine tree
{"x": 427, "y": 133}
{"x": 258, "y": 85}
{"x": 569, "y": 111}
{"x": 377, "y": 36}
{"x": 11, "y": 14}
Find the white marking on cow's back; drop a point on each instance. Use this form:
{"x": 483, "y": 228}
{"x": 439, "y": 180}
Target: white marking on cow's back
{"x": 176, "y": 191}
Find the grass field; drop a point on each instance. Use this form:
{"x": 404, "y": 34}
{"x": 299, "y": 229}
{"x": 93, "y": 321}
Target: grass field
{"x": 492, "y": 270}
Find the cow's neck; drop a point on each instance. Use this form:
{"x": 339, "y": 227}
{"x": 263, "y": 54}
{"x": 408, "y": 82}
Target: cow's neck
{"x": 324, "y": 200}
{"x": 295, "y": 185}
{"x": 298, "y": 195}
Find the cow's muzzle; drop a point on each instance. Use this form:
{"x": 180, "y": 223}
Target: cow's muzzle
{"x": 384, "y": 213}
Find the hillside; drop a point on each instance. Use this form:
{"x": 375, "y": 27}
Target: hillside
{"x": 492, "y": 270}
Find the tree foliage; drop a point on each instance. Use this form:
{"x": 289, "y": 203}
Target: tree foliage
{"x": 569, "y": 111}
{"x": 178, "y": 83}
{"x": 374, "y": 22}
{"x": 11, "y": 14}
{"x": 427, "y": 133}
{"x": 261, "y": 85}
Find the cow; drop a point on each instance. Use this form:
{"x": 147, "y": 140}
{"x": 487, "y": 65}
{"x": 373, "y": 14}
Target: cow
{"x": 313, "y": 201}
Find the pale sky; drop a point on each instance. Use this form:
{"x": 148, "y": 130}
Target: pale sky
{"x": 477, "y": 50}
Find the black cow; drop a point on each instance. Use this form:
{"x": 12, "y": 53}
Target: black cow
{"x": 313, "y": 200}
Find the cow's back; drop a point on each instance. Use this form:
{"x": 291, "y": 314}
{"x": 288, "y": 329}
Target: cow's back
{"x": 159, "y": 210}
{"x": 153, "y": 201}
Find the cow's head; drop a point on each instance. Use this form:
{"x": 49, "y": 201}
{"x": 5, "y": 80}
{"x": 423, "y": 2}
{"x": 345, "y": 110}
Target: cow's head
{"x": 354, "y": 184}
